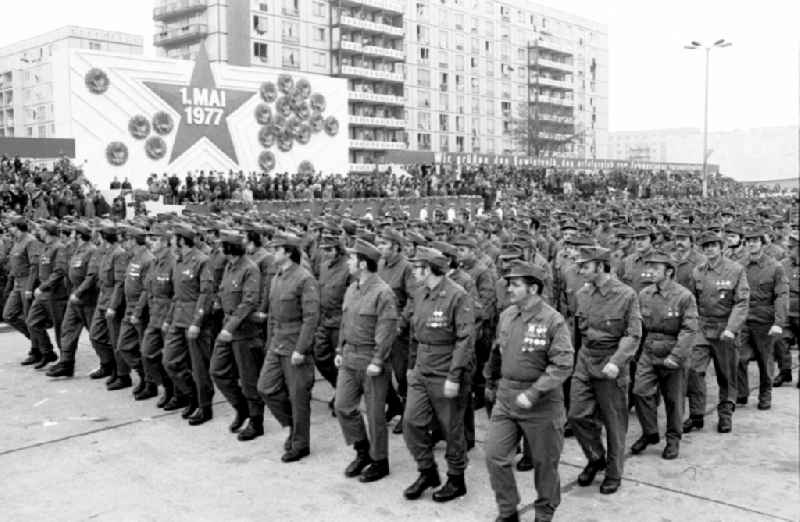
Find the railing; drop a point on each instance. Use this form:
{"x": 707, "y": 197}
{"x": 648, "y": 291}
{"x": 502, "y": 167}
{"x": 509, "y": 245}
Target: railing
{"x": 377, "y": 145}
{"x": 549, "y": 82}
{"x": 180, "y": 34}
{"x": 377, "y": 98}
{"x": 393, "y": 6}
{"x": 351, "y": 70}
{"x": 179, "y": 8}
{"x": 552, "y": 64}
{"x": 290, "y": 11}
{"x": 378, "y": 122}
{"x": 371, "y": 26}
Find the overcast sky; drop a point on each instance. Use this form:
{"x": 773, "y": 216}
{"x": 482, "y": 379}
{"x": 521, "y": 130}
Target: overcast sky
{"x": 654, "y": 83}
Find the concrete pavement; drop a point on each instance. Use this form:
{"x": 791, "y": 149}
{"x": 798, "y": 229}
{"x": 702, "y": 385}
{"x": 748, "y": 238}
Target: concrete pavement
{"x": 70, "y": 450}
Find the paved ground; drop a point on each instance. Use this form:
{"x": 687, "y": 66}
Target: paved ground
{"x": 70, "y": 450}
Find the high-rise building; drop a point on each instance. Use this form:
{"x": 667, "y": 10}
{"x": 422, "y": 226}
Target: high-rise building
{"x": 489, "y": 76}
{"x": 26, "y": 76}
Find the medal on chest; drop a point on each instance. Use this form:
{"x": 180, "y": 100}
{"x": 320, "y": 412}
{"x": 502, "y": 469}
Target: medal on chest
{"x": 437, "y": 319}
{"x": 535, "y": 337}
{"x": 722, "y": 286}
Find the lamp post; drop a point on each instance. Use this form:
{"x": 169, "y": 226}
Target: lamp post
{"x": 694, "y": 44}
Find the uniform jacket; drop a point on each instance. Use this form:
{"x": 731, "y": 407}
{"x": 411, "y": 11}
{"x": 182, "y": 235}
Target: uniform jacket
{"x": 89, "y": 288}
{"x": 632, "y": 270}
{"x": 111, "y": 277}
{"x": 369, "y": 323}
{"x": 79, "y": 262}
{"x": 483, "y": 280}
{"x": 397, "y": 273}
{"x": 669, "y": 317}
{"x": 293, "y": 311}
{"x": 159, "y": 288}
{"x": 769, "y": 292}
{"x": 239, "y": 293}
{"x": 333, "y": 279}
{"x": 23, "y": 261}
{"x": 792, "y": 271}
{"x": 685, "y": 267}
{"x": 53, "y": 267}
{"x": 722, "y": 296}
{"x": 193, "y": 283}
{"x": 443, "y": 324}
{"x": 134, "y": 286}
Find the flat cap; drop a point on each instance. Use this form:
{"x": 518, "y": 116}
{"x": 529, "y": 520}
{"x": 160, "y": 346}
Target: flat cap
{"x": 525, "y": 269}
{"x": 465, "y": 240}
{"x": 416, "y": 238}
{"x": 445, "y": 248}
{"x": 430, "y": 256}
{"x": 185, "y": 230}
{"x": 709, "y": 237}
{"x": 290, "y": 240}
{"x": 593, "y": 253}
{"x": 366, "y": 249}
{"x": 579, "y": 240}
{"x": 660, "y": 257}
{"x": 394, "y": 236}
{"x": 231, "y": 237}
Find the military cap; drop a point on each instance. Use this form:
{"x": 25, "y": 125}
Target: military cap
{"x": 51, "y": 227}
{"x": 185, "y": 230}
{"x": 754, "y": 232}
{"x": 394, "y": 236}
{"x": 567, "y": 225}
{"x": 109, "y": 228}
{"x": 524, "y": 269}
{"x": 286, "y": 239}
{"x": 579, "y": 240}
{"x": 465, "y": 240}
{"x": 510, "y": 251}
{"x": 366, "y": 249}
{"x": 430, "y": 256}
{"x": 445, "y": 248}
{"x": 135, "y": 232}
{"x": 683, "y": 230}
{"x": 642, "y": 231}
{"x": 623, "y": 232}
{"x": 416, "y": 238}
{"x": 349, "y": 226}
{"x": 592, "y": 253}
{"x": 734, "y": 228}
{"x": 231, "y": 237}
{"x": 661, "y": 258}
{"x": 328, "y": 241}
{"x": 709, "y": 237}
{"x": 83, "y": 228}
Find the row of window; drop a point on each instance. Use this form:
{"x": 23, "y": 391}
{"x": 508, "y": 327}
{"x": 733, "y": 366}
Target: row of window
{"x": 289, "y": 29}
{"x": 290, "y": 56}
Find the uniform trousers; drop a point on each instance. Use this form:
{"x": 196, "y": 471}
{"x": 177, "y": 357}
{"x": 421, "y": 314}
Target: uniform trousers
{"x": 235, "y": 362}
{"x": 756, "y": 344}
{"x": 351, "y": 385}
{"x": 286, "y": 390}
{"x": 725, "y": 356}
{"x": 76, "y": 317}
{"x": 653, "y": 378}
{"x": 44, "y": 313}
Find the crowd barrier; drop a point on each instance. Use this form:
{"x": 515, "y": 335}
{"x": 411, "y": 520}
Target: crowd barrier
{"x": 421, "y": 208}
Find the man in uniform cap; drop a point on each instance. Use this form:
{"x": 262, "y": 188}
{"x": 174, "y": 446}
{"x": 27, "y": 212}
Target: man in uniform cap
{"x": 131, "y": 325}
{"x": 685, "y": 255}
{"x": 333, "y": 280}
{"x": 287, "y": 375}
{"x": 443, "y": 324}
{"x": 395, "y": 269}
{"x": 238, "y": 350}
{"x": 669, "y": 317}
{"x": 791, "y": 267}
{"x": 368, "y": 328}
{"x": 50, "y": 297}
{"x": 188, "y": 342}
{"x": 81, "y": 303}
{"x": 720, "y": 288}
{"x": 23, "y": 271}
{"x": 610, "y": 324}
{"x": 734, "y": 247}
{"x": 766, "y": 317}
{"x": 531, "y": 359}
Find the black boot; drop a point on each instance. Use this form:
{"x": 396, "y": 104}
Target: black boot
{"x": 526, "y": 462}
{"x": 725, "y": 424}
{"x": 46, "y": 359}
{"x": 694, "y": 422}
{"x": 671, "y": 449}
{"x": 113, "y": 376}
{"x": 239, "y": 419}
{"x": 452, "y": 489}
{"x": 121, "y": 382}
{"x": 331, "y": 407}
{"x": 169, "y": 390}
{"x": 177, "y": 402}
{"x": 644, "y": 441}
{"x": 508, "y": 518}
{"x": 295, "y": 454}
{"x": 148, "y": 391}
{"x": 375, "y": 471}
{"x": 609, "y": 486}
{"x": 142, "y": 381}
{"x": 394, "y": 408}
{"x": 361, "y": 461}
{"x": 105, "y": 370}
{"x": 32, "y": 358}
{"x": 201, "y": 416}
{"x": 190, "y": 408}
{"x": 254, "y": 428}
{"x": 287, "y": 444}
{"x": 590, "y": 471}
{"x": 782, "y": 377}
{"x": 428, "y": 478}
{"x": 398, "y": 428}
{"x": 62, "y": 369}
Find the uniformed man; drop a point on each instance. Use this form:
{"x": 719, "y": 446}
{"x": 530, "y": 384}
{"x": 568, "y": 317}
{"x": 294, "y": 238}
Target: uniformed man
{"x": 159, "y": 291}
{"x": 238, "y": 350}
{"x": 368, "y": 329}
{"x": 735, "y": 249}
{"x": 50, "y": 297}
{"x": 395, "y": 269}
{"x": 22, "y": 269}
{"x": 110, "y": 277}
{"x": 333, "y": 278}
{"x": 134, "y": 317}
{"x": 439, "y": 376}
{"x": 287, "y": 376}
{"x": 188, "y": 341}
{"x": 791, "y": 267}
{"x": 684, "y": 255}
{"x": 766, "y": 317}
{"x": 610, "y": 324}
{"x": 81, "y": 303}
{"x": 720, "y": 288}
{"x": 669, "y": 317}
{"x": 535, "y": 352}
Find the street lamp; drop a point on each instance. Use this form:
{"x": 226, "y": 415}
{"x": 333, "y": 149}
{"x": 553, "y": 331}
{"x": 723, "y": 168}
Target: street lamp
{"x": 694, "y": 44}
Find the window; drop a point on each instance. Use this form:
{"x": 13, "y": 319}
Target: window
{"x": 320, "y": 59}
{"x": 444, "y": 101}
{"x": 459, "y": 124}
{"x": 291, "y": 57}
{"x": 95, "y": 46}
{"x": 443, "y": 39}
{"x": 260, "y": 51}
{"x": 260, "y": 24}
{"x": 459, "y": 42}
{"x": 444, "y": 144}
{"x": 423, "y": 141}
{"x": 263, "y": 6}
{"x": 423, "y": 34}
{"x": 319, "y": 34}
{"x": 460, "y": 143}
{"x": 424, "y": 98}
{"x": 443, "y": 122}
{"x": 291, "y": 31}
{"x": 424, "y": 121}
{"x": 424, "y": 77}
{"x": 424, "y": 54}
{"x": 474, "y": 85}
{"x": 318, "y": 9}
{"x": 291, "y": 7}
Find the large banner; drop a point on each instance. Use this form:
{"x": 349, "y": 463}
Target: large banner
{"x": 132, "y": 116}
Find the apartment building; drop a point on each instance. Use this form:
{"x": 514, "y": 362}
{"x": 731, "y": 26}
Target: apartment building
{"x": 27, "y": 107}
{"x": 426, "y": 75}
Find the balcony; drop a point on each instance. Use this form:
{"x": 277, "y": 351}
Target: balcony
{"x": 373, "y": 27}
{"x": 369, "y": 121}
{"x": 555, "y": 84}
{"x": 178, "y": 9}
{"x": 553, "y": 136}
{"x": 390, "y": 6}
{"x": 553, "y": 45}
{"x": 553, "y": 100}
{"x": 386, "y": 99}
{"x": 180, "y": 35}
{"x": 372, "y": 50}
{"x": 290, "y": 38}
{"x": 373, "y": 74}
{"x": 290, "y": 11}
{"x": 377, "y": 145}
{"x": 556, "y": 119}
{"x": 544, "y": 63}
